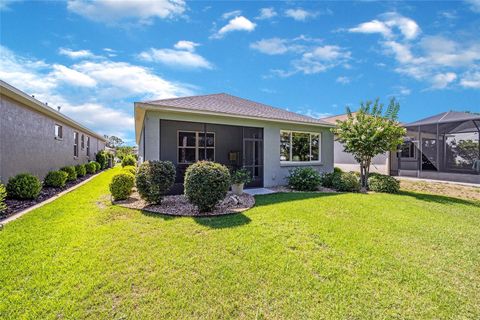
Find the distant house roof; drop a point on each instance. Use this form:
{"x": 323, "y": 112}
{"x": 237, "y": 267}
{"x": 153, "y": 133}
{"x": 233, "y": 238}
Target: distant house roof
{"x": 32, "y": 103}
{"x": 445, "y": 117}
{"x": 223, "y": 104}
{"x": 333, "y": 119}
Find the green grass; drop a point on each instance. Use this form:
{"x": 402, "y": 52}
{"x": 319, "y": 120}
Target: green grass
{"x": 293, "y": 256}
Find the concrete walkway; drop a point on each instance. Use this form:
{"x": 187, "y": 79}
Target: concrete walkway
{"x": 439, "y": 181}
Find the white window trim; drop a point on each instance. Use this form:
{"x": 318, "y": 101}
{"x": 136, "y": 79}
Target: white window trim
{"x": 61, "y": 129}
{"x": 197, "y": 146}
{"x": 75, "y": 145}
{"x": 306, "y": 163}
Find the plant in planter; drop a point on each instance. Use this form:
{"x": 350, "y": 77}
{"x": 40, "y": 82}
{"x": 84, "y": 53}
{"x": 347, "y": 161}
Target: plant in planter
{"x": 239, "y": 178}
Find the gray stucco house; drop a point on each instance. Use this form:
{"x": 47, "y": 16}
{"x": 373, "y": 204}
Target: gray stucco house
{"x": 233, "y": 131}
{"x": 35, "y": 138}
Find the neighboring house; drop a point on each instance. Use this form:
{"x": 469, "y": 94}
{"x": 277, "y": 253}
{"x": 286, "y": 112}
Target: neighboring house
{"x": 233, "y": 131}
{"x": 383, "y": 163}
{"x": 445, "y": 146}
{"x": 35, "y": 138}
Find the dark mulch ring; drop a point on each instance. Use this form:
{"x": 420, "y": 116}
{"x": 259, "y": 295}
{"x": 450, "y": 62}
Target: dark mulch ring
{"x": 14, "y": 205}
{"x": 178, "y": 205}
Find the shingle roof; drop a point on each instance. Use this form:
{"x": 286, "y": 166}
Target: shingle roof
{"x": 446, "y": 117}
{"x": 333, "y": 119}
{"x": 223, "y": 103}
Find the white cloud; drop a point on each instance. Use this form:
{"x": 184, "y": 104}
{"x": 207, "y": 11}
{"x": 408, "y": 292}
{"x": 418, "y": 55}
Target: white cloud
{"x": 401, "y": 51}
{"x": 373, "y": 26}
{"x": 271, "y": 46}
{"x": 109, "y": 11}
{"x": 186, "y": 45}
{"x": 474, "y": 5}
{"x": 471, "y": 80}
{"x": 266, "y": 13}
{"x": 446, "y": 52}
{"x": 239, "y": 23}
{"x": 71, "y": 76}
{"x": 343, "y": 80}
{"x": 314, "y": 114}
{"x": 327, "y": 53}
{"x": 300, "y": 14}
{"x": 230, "y": 14}
{"x": 320, "y": 59}
{"x": 79, "y": 54}
{"x": 175, "y": 58}
{"x": 390, "y": 20}
{"x": 442, "y": 80}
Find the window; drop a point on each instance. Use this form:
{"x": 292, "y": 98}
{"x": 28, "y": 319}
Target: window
{"x": 75, "y": 144}
{"x": 191, "y": 146}
{"x": 407, "y": 150}
{"x": 88, "y": 146}
{"x": 58, "y": 131}
{"x": 299, "y": 146}
{"x": 82, "y": 141}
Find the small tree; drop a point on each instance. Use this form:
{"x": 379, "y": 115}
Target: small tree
{"x": 370, "y": 132}
{"x": 113, "y": 141}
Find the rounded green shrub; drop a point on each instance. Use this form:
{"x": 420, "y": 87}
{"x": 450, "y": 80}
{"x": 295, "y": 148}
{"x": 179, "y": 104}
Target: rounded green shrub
{"x": 81, "y": 170}
{"x": 327, "y": 179}
{"x": 55, "y": 179}
{"x": 24, "y": 186}
{"x": 129, "y": 160}
{"x": 337, "y": 170}
{"x": 98, "y": 167}
{"x": 154, "y": 179}
{"x": 304, "y": 179}
{"x": 122, "y": 185}
{"x": 3, "y": 196}
{"x": 102, "y": 158}
{"x": 383, "y": 183}
{"x": 346, "y": 181}
{"x": 91, "y": 167}
{"x": 131, "y": 169}
{"x": 206, "y": 184}
{"x": 72, "y": 174}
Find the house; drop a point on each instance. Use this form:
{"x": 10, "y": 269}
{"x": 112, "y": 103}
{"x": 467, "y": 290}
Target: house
{"x": 445, "y": 146}
{"x": 236, "y": 132}
{"x": 35, "y": 138}
{"x": 383, "y": 163}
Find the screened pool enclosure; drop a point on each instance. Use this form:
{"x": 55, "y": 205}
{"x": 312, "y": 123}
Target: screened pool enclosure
{"x": 447, "y": 143}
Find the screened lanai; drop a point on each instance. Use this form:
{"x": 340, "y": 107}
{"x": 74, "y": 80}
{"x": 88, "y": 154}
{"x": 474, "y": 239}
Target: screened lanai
{"x": 445, "y": 146}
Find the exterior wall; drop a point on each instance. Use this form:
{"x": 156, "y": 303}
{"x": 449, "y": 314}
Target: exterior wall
{"x": 347, "y": 162}
{"x": 28, "y": 144}
{"x": 274, "y": 172}
{"x": 434, "y": 175}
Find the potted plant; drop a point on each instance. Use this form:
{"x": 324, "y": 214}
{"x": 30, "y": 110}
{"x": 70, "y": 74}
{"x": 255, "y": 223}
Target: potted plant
{"x": 239, "y": 178}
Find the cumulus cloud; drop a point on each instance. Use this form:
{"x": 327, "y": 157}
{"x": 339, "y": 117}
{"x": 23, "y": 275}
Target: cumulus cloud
{"x": 266, "y": 13}
{"x": 471, "y": 80}
{"x": 374, "y": 26}
{"x": 230, "y": 14}
{"x": 113, "y": 11}
{"x": 273, "y": 46}
{"x": 321, "y": 58}
{"x": 78, "y": 54}
{"x": 300, "y": 14}
{"x": 388, "y": 23}
{"x": 442, "y": 80}
{"x": 239, "y": 23}
{"x": 186, "y": 45}
{"x": 343, "y": 80}
{"x": 183, "y": 56}
{"x": 73, "y": 77}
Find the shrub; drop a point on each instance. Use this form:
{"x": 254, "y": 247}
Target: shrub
{"x": 91, "y": 167}
{"x": 55, "y": 179}
{"x": 72, "y": 174}
{"x": 383, "y": 183}
{"x": 304, "y": 179}
{"x": 24, "y": 186}
{"x": 241, "y": 176}
{"x": 154, "y": 179}
{"x": 102, "y": 159}
{"x": 81, "y": 170}
{"x": 130, "y": 169}
{"x": 206, "y": 183}
{"x": 337, "y": 170}
{"x": 122, "y": 185}
{"x": 327, "y": 179}
{"x": 3, "y": 195}
{"x": 98, "y": 167}
{"x": 346, "y": 181}
{"x": 129, "y": 160}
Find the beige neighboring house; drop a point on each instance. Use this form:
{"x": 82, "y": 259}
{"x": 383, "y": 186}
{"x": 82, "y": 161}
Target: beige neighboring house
{"x": 384, "y": 163}
{"x": 36, "y": 138}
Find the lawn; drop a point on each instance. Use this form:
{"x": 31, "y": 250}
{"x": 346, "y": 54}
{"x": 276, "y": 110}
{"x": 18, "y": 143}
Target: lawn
{"x": 293, "y": 256}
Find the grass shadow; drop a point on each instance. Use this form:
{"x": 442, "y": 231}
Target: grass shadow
{"x": 274, "y": 198}
{"x": 162, "y": 216}
{"x": 227, "y": 221}
{"x": 439, "y": 198}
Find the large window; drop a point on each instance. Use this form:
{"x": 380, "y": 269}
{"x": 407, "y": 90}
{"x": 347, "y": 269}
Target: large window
{"x": 82, "y": 141}
{"x": 299, "y": 146}
{"x": 88, "y": 146}
{"x": 75, "y": 144}
{"x": 58, "y": 132}
{"x": 462, "y": 151}
{"x": 192, "y": 144}
{"x": 407, "y": 150}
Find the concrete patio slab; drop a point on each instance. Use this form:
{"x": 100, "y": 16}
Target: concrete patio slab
{"x": 258, "y": 191}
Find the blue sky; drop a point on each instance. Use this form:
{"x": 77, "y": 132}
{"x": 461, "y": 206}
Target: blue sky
{"x": 96, "y": 58}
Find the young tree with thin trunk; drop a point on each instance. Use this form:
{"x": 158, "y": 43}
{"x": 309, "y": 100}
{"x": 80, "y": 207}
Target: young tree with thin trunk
{"x": 370, "y": 132}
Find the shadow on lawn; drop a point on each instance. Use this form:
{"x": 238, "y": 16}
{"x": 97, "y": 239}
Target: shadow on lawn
{"x": 216, "y": 222}
{"x": 439, "y": 198}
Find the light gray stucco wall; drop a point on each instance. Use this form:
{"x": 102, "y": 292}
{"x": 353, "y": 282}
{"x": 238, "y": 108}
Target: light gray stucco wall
{"x": 28, "y": 144}
{"x": 274, "y": 172}
{"x": 347, "y": 162}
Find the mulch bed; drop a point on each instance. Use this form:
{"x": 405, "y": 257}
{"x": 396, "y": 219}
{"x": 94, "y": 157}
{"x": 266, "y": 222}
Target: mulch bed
{"x": 178, "y": 205}
{"x": 14, "y": 205}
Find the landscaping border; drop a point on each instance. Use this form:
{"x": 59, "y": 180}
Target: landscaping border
{"x": 17, "y": 215}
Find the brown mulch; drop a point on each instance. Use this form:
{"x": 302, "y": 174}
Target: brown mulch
{"x": 178, "y": 205}
{"x": 444, "y": 189}
{"x": 14, "y": 205}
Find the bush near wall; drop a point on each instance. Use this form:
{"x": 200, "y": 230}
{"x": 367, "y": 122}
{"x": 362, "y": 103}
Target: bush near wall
{"x": 345, "y": 181}
{"x": 102, "y": 159}
{"x": 55, "y": 179}
{"x": 304, "y": 179}
{"x": 383, "y": 183}
{"x": 122, "y": 185}
{"x": 91, "y": 167}
{"x": 72, "y": 174}
{"x": 24, "y": 186}
{"x": 131, "y": 169}
{"x": 206, "y": 184}
{"x": 81, "y": 170}
{"x": 98, "y": 166}
{"x": 154, "y": 179}
{"x": 3, "y": 196}
{"x": 129, "y": 160}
